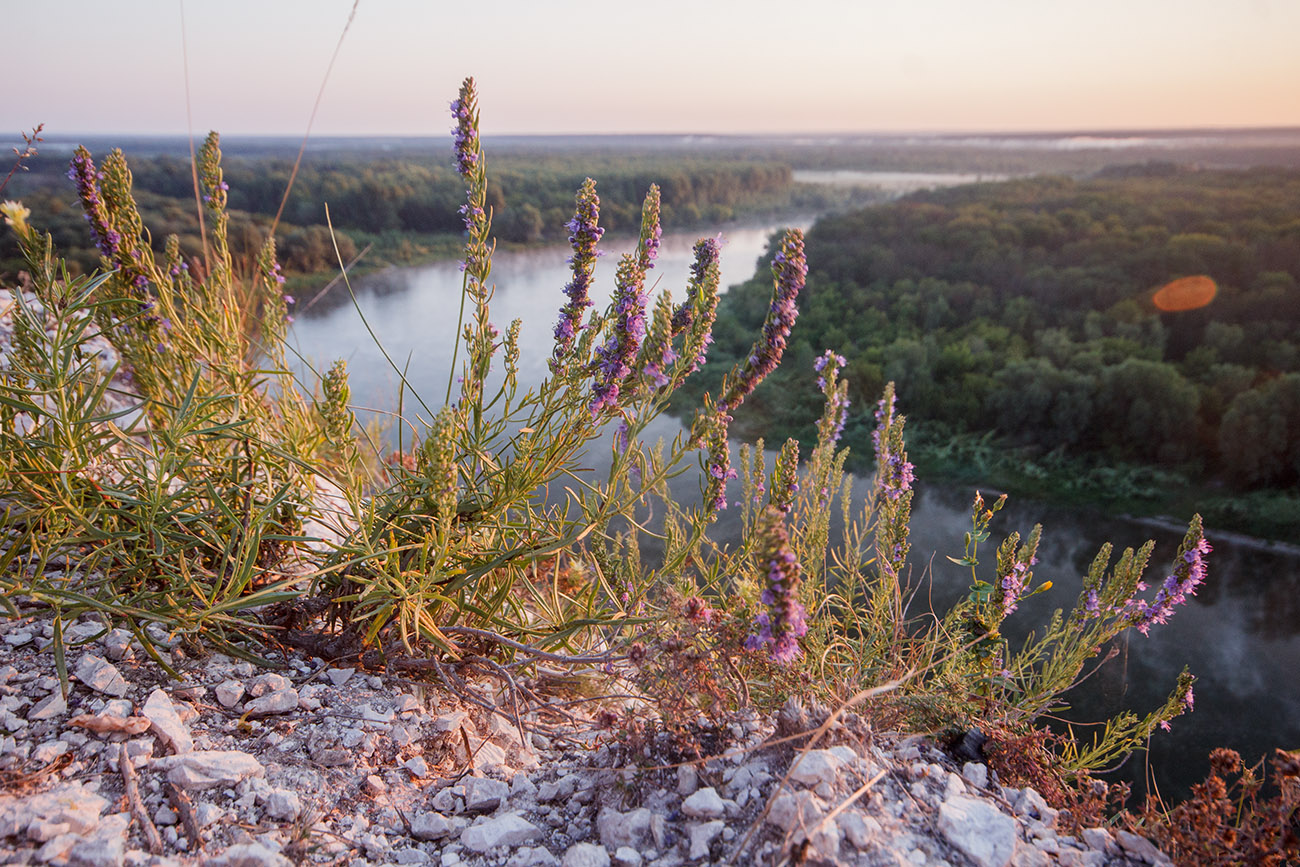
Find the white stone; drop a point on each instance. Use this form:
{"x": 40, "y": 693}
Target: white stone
{"x": 483, "y": 795}
{"x": 508, "y": 830}
{"x": 585, "y": 855}
{"x": 979, "y": 830}
{"x": 49, "y": 751}
{"x": 701, "y": 835}
{"x": 56, "y": 849}
{"x": 1028, "y": 856}
{"x": 100, "y": 675}
{"x": 283, "y": 804}
{"x": 816, "y": 766}
{"x": 530, "y": 856}
{"x": 1097, "y": 838}
{"x": 204, "y": 769}
{"x": 43, "y": 831}
{"x": 688, "y": 779}
{"x": 858, "y": 828}
{"x": 279, "y": 701}
{"x": 165, "y": 723}
{"x": 229, "y": 693}
{"x": 105, "y": 847}
{"x": 450, "y": 722}
{"x": 269, "y": 682}
{"x": 339, "y": 676}
{"x": 48, "y": 708}
{"x": 431, "y": 826}
{"x": 790, "y": 810}
{"x": 117, "y": 644}
{"x": 626, "y": 856}
{"x": 417, "y": 766}
{"x": 77, "y": 807}
{"x": 249, "y": 855}
{"x": 1139, "y": 847}
{"x": 1030, "y": 804}
{"x": 976, "y": 774}
{"x": 623, "y": 829}
{"x": 704, "y": 804}
{"x": 523, "y": 787}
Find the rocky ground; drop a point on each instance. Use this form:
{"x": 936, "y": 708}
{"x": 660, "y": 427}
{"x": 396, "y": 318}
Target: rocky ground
{"x": 316, "y": 764}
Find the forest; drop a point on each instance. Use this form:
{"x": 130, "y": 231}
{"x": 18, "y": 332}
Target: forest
{"x": 404, "y": 205}
{"x": 1018, "y": 321}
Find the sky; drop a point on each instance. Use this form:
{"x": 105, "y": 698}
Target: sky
{"x": 671, "y": 66}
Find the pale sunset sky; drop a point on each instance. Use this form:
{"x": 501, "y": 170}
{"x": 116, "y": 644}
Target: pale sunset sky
{"x": 669, "y": 66}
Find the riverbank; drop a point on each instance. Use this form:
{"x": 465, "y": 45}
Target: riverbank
{"x": 1267, "y": 518}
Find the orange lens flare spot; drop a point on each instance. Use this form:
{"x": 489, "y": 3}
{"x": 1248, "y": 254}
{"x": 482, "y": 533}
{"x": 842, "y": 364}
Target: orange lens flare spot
{"x": 1185, "y": 293}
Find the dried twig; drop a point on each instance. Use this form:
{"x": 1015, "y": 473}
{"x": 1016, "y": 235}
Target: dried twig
{"x": 151, "y": 835}
{"x": 185, "y": 807}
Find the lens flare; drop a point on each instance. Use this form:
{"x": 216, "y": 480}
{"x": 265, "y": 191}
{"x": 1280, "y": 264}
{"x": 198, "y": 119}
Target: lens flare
{"x": 1185, "y": 293}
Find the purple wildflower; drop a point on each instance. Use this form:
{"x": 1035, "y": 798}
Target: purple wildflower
{"x": 82, "y": 171}
{"x": 894, "y": 472}
{"x": 780, "y": 627}
{"x": 464, "y": 109}
{"x": 1189, "y": 572}
{"x": 613, "y": 362}
{"x": 1013, "y": 584}
{"x": 719, "y": 462}
{"x": 1092, "y": 604}
{"x": 701, "y": 293}
{"x": 832, "y": 426}
{"x": 584, "y": 233}
{"x": 789, "y": 270}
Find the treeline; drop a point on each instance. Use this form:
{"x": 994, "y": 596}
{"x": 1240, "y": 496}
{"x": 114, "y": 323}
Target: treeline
{"x": 403, "y": 203}
{"x": 1024, "y": 310}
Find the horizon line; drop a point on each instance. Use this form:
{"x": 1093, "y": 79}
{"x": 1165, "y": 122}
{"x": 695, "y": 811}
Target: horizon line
{"x": 1056, "y": 132}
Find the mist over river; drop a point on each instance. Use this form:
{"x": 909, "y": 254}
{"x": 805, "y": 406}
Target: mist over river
{"x": 1240, "y": 636}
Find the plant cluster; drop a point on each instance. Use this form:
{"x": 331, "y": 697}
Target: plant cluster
{"x": 1227, "y": 820}
{"x": 187, "y": 479}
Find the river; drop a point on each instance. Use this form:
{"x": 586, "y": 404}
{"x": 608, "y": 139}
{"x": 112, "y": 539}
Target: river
{"x": 1240, "y": 635}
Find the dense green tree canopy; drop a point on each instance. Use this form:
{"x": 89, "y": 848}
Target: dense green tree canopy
{"x": 1024, "y": 309}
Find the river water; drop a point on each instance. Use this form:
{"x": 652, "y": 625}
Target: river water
{"x": 1240, "y": 636}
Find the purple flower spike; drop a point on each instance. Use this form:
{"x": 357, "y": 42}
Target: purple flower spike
{"x": 1189, "y": 572}
{"x": 789, "y": 271}
{"x": 780, "y": 627}
{"x": 614, "y": 360}
{"x": 82, "y": 170}
{"x": 468, "y": 148}
{"x": 894, "y": 472}
{"x": 584, "y": 233}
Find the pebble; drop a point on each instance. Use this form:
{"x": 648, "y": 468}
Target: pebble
{"x": 53, "y": 705}
{"x": 100, "y": 675}
{"x": 510, "y": 829}
{"x": 279, "y": 701}
{"x": 704, "y": 804}
{"x": 228, "y": 693}
{"x": 981, "y": 831}
{"x": 166, "y": 723}
{"x": 585, "y": 855}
